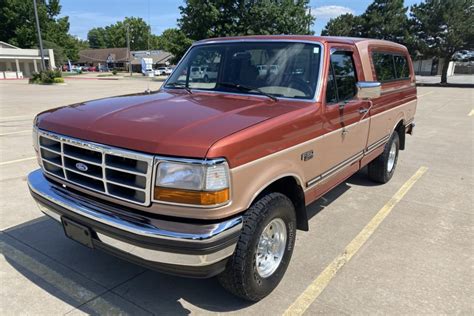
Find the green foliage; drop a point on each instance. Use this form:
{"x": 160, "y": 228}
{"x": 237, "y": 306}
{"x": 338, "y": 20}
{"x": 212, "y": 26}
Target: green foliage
{"x": 175, "y": 42}
{"x": 442, "y": 27}
{"x": 115, "y": 35}
{"x": 344, "y": 25}
{"x": 17, "y": 27}
{"x": 47, "y": 77}
{"x": 114, "y": 72}
{"x": 221, "y": 18}
{"x": 386, "y": 19}
{"x": 217, "y": 18}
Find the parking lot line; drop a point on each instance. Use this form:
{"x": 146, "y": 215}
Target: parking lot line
{"x": 425, "y": 94}
{"x": 13, "y": 133}
{"x": 21, "y": 117}
{"x": 16, "y": 160}
{"x": 321, "y": 282}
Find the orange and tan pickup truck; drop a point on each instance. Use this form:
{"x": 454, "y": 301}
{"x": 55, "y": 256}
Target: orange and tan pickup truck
{"x": 211, "y": 175}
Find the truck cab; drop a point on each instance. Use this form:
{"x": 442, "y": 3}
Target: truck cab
{"x": 212, "y": 176}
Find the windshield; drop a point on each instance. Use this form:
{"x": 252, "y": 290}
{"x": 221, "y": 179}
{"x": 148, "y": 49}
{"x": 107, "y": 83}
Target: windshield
{"x": 279, "y": 69}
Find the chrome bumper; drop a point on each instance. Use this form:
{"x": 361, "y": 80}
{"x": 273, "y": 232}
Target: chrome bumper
{"x": 153, "y": 240}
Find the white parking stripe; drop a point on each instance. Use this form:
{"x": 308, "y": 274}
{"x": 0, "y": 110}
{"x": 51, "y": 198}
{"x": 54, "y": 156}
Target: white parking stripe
{"x": 19, "y": 132}
{"x": 15, "y": 161}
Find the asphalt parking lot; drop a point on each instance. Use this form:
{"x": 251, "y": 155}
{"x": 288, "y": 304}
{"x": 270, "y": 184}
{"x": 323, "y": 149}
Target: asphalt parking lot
{"x": 401, "y": 248}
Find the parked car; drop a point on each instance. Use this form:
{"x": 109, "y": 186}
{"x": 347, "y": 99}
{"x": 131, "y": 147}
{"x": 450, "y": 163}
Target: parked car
{"x": 203, "y": 180}
{"x": 463, "y": 55}
{"x": 197, "y": 73}
{"x": 163, "y": 71}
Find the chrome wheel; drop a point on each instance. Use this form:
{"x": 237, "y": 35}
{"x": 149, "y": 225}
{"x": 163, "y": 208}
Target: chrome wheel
{"x": 271, "y": 247}
{"x": 392, "y": 155}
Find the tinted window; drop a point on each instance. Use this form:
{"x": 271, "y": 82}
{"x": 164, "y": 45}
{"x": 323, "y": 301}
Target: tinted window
{"x": 331, "y": 93}
{"x": 401, "y": 66}
{"x": 342, "y": 79}
{"x": 384, "y": 68}
{"x": 390, "y": 66}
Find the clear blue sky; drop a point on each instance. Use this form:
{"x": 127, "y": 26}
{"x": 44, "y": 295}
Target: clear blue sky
{"x": 162, "y": 14}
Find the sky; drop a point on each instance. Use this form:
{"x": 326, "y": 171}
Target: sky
{"x": 163, "y": 14}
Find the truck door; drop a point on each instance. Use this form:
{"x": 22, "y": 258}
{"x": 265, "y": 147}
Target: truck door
{"x": 346, "y": 118}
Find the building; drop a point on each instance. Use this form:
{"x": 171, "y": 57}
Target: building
{"x": 17, "y": 62}
{"x": 160, "y": 58}
{"x": 114, "y": 58}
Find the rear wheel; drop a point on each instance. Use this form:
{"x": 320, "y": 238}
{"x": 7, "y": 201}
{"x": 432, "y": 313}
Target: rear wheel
{"x": 264, "y": 249}
{"x": 382, "y": 168}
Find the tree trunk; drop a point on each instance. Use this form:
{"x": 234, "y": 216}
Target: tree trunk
{"x": 444, "y": 71}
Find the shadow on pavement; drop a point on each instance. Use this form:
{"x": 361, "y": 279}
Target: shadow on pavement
{"x": 39, "y": 251}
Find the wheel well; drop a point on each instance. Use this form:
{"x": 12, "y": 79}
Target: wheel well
{"x": 290, "y": 187}
{"x": 400, "y": 129}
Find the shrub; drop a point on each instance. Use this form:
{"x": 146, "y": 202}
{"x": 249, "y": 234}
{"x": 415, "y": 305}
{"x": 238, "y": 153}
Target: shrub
{"x": 47, "y": 76}
{"x": 58, "y": 80}
{"x": 114, "y": 72}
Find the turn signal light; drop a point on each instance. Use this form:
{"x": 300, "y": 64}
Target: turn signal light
{"x": 191, "y": 197}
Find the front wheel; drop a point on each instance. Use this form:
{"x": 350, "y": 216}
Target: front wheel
{"x": 382, "y": 168}
{"x": 264, "y": 249}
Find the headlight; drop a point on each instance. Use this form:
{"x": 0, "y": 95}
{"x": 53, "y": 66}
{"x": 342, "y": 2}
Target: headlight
{"x": 191, "y": 183}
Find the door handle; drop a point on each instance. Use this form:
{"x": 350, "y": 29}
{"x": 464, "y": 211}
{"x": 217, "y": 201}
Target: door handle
{"x": 363, "y": 111}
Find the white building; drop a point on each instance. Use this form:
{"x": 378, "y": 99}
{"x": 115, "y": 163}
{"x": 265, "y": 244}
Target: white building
{"x": 18, "y": 63}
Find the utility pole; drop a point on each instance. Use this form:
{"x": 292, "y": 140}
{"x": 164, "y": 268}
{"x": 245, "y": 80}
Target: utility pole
{"x": 43, "y": 64}
{"x": 128, "y": 51}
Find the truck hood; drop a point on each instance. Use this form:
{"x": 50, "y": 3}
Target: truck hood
{"x": 164, "y": 123}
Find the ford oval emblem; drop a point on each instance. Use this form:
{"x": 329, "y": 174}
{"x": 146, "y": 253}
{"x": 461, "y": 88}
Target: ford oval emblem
{"x": 82, "y": 167}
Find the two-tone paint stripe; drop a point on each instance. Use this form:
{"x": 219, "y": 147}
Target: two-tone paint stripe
{"x": 349, "y": 161}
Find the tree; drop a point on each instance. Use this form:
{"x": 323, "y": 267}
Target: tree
{"x": 175, "y": 42}
{"x": 442, "y": 27}
{"x": 97, "y": 38}
{"x": 386, "y": 19}
{"x": 17, "y": 27}
{"x": 216, "y": 18}
{"x": 344, "y": 25}
{"x": 115, "y": 35}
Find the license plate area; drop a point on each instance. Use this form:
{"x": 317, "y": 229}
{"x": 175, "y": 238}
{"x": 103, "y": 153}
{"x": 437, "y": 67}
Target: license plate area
{"x": 77, "y": 232}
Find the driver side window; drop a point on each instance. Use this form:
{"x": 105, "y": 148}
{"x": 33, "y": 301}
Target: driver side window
{"x": 341, "y": 85}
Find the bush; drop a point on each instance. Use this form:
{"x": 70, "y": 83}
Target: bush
{"x": 114, "y": 72}
{"x": 47, "y": 76}
{"x": 58, "y": 80}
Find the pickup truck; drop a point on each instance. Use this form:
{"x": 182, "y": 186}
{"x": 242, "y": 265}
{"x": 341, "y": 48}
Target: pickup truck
{"x": 213, "y": 178}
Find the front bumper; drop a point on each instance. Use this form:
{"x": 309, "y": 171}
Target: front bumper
{"x": 175, "y": 247}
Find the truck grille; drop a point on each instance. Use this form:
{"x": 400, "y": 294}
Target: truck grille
{"x": 119, "y": 173}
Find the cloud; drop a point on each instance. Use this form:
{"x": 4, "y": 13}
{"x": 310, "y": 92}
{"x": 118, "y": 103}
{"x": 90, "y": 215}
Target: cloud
{"x": 330, "y": 11}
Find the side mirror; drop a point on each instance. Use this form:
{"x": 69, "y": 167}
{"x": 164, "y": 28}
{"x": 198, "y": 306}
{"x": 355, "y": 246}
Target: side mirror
{"x": 368, "y": 89}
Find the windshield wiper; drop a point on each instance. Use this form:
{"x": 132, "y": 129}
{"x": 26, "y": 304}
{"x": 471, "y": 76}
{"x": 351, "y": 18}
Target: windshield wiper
{"x": 247, "y": 89}
{"x": 179, "y": 86}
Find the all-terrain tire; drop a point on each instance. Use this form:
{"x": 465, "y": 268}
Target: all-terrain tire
{"x": 382, "y": 168}
{"x": 241, "y": 276}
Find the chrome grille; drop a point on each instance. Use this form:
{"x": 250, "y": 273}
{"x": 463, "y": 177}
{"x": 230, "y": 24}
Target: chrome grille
{"x": 119, "y": 173}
